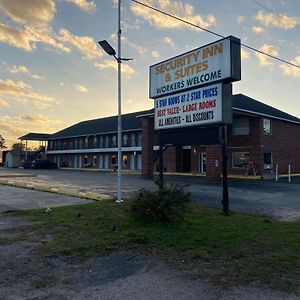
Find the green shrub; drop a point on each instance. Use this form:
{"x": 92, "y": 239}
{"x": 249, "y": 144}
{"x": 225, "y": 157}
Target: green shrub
{"x": 166, "y": 204}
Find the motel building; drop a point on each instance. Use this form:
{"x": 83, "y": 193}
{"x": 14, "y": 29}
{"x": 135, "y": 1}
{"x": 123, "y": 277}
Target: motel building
{"x": 259, "y": 138}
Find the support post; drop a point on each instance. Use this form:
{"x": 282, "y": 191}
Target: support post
{"x": 161, "y": 166}
{"x": 276, "y": 172}
{"x": 225, "y": 200}
{"x": 119, "y": 194}
{"x": 289, "y": 173}
{"x": 26, "y": 149}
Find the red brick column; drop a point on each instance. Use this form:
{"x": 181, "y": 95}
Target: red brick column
{"x": 147, "y": 147}
{"x": 213, "y": 162}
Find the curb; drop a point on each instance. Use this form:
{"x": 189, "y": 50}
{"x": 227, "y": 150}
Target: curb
{"x": 60, "y": 191}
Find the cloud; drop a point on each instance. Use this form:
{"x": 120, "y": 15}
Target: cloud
{"x": 264, "y": 59}
{"x": 13, "y": 127}
{"x": 83, "y": 4}
{"x": 24, "y": 70}
{"x": 80, "y": 88}
{"x": 244, "y": 54}
{"x": 271, "y": 20}
{"x": 18, "y": 69}
{"x": 240, "y": 19}
{"x": 21, "y": 92}
{"x": 111, "y": 64}
{"x": 35, "y": 15}
{"x": 169, "y": 41}
{"x": 174, "y": 7}
{"x": 141, "y": 50}
{"x": 3, "y": 103}
{"x": 257, "y": 29}
{"x": 290, "y": 70}
{"x": 84, "y": 44}
{"x": 27, "y": 37}
{"x": 38, "y": 77}
{"x": 16, "y": 37}
{"x": 155, "y": 54}
{"x": 29, "y": 11}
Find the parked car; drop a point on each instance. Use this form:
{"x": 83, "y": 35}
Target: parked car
{"x": 43, "y": 164}
{"x": 26, "y": 163}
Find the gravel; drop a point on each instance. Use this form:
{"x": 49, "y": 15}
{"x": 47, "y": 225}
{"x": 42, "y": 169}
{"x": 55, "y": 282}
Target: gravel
{"x": 25, "y": 273}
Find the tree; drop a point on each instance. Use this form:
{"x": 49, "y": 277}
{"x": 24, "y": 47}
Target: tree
{"x": 2, "y": 142}
{"x": 17, "y": 147}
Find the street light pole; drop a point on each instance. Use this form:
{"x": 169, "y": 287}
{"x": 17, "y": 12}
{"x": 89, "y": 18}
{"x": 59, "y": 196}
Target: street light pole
{"x": 111, "y": 51}
{"x": 119, "y": 196}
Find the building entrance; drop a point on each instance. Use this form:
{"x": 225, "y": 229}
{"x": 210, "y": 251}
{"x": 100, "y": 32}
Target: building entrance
{"x": 183, "y": 159}
{"x": 202, "y": 162}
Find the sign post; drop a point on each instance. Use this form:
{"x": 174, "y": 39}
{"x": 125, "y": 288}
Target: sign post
{"x": 225, "y": 200}
{"x": 194, "y": 89}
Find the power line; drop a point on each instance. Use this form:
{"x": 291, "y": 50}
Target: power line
{"x": 214, "y": 33}
{"x": 275, "y": 13}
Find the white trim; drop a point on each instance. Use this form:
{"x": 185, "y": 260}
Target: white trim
{"x": 264, "y": 115}
{"x": 94, "y": 150}
{"x": 145, "y": 115}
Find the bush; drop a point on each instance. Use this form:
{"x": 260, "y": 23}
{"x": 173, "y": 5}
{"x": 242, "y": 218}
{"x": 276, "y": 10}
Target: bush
{"x": 167, "y": 204}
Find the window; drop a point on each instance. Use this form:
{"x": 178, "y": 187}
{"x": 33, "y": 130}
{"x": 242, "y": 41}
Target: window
{"x": 95, "y": 161}
{"x": 268, "y": 161}
{"x": 114, "y": 141}
{"x": 125, "y": 160}
{"x": 95, "y": 141}
{"x": 86, "y": 142}
{"x": 240, "y": 126}
{"x": 267, "y": 126}
{"x": 132, "y": 139}
{"x": 240, "y": 159}
{"x": 125, "y": 139}
{"x": 139, "y": 143}
{"x": 101, "y": 141}
{"x": 106, "y": 141}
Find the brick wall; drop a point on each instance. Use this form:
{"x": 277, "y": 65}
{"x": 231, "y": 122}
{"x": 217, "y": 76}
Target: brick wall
{"x": 284, "y": 144}
{"x": 213, "y": 162}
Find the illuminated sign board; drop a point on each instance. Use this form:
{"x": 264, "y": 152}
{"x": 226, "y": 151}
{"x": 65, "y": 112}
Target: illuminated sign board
{"x": 201, "y": 106}
{"x": 216, "y": 62}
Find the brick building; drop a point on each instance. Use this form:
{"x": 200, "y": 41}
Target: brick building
{"x": 260, "y": 138}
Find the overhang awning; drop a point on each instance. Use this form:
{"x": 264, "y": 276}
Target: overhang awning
{"x": 35, "y": 137}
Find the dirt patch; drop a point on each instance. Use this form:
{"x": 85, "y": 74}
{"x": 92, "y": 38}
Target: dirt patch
{"x": 26, "y": 273}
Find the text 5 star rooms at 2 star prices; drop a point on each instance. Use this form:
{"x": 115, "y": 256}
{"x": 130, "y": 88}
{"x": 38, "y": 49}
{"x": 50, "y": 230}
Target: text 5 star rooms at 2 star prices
{"x": 202, "y": 105}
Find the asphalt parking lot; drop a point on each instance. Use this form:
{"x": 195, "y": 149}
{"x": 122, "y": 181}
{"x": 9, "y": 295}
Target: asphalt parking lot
{"x": 280, "y": 200}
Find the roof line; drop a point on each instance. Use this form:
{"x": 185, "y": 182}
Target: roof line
{"x": 91, "y": 134}
{"x": 265, "y": 115}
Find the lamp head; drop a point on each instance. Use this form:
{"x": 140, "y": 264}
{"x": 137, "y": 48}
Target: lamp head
{"x": 107, "y": 48}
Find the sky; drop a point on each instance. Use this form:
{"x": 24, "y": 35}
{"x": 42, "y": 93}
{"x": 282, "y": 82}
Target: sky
{"x": 53, "y": 73}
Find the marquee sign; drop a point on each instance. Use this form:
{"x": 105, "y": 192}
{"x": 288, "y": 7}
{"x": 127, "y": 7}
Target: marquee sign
{"x": 202, "y": 106}
{"x": 215, "y": 62}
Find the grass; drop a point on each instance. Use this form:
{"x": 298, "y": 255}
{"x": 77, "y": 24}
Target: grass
{"x": 229, "y": 250}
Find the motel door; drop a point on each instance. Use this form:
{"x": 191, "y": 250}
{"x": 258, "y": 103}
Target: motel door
{"x": 202, "y": 162}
